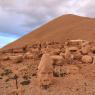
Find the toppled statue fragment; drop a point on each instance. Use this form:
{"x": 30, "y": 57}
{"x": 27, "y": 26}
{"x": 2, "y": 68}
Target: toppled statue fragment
{"x": 45, "y": 71}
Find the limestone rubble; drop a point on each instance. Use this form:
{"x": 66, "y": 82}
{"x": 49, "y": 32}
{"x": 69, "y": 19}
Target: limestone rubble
{"x": 49, "y": 68}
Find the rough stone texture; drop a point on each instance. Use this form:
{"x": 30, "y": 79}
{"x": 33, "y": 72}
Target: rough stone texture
{"x": 28, "y": 55}
{"x": 58, "y": 60}
{"x": 43, "y": 75}
{"x": 47, "y": 71}
{"x": 16, "y": 59}
{"x": 73, "y": 49}
{"x": 87, "y": 59}
{"x": 20, "y": 50}
{"x": 85, "y": 50}
{"x": 93, "y": 60}
{"x": 4, "y": 58}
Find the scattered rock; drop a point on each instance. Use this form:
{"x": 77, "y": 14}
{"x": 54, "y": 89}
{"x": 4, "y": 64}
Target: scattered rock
{"x": 58, "y": 60}
{"x": 87, "y": 59}
{"x": 5, "y": 58}
{"x": 85, "y": 50}
{"x": 28, "y": 55}
{"x": 73, "y": 49}
{"x": 18, "y": 50}
{"x": 16, "y": 58}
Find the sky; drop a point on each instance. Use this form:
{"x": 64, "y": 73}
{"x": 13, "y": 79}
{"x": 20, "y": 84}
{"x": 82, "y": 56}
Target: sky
{"x": 19, "y": 17}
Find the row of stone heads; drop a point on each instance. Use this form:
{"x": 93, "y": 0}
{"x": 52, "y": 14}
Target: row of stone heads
{"x": 51, "y": 43}
{"x": 25, "y": 48}
{"x": 52, "y": 66}
{"x": 49, "y": 61}
{"x": 74, "y": 49}
{"x": 47, "y": 44}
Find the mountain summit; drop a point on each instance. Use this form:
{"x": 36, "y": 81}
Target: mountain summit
{"x": 60, "y": 29}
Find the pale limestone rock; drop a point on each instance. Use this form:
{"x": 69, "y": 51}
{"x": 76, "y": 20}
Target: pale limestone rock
{"x": 87, "y": 59}
{"x": 16, "y": 58}
{"x": 45, "y": 70}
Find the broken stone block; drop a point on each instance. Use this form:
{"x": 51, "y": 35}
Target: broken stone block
{"x": 73, "y": 49}
{"x": 18, "y": 50}
{"x": 62, "y": 54}
{"x": 6, "y": 51}
{"x": 77, "y": 56}
{"x": 69, "y": 57}
{"x": 55, "y": 52}
{"x": 33, "y": 54}
{"x": 87, "y": 59}
{"x": 74, "y": 42}
{"x": 58, "y": 60}
{"x": 85, "y": 50}
{"x": 52, "y": 51}
{"x": 16, "y": 59}
{"x": 5, "y": 58}
{"x": 43, "y": 50}
{"x": 28, "y": 55}
{"x": 45, "y": 71}
{"x": 45, "y": 63}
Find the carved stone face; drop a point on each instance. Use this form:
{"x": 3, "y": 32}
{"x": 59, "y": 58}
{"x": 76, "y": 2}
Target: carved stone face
{"x": 45, "y": 78}
{"x": 45, "y": 71}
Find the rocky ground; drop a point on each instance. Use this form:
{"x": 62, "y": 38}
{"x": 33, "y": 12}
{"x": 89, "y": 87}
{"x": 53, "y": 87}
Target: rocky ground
{"x": 49, "y": 68}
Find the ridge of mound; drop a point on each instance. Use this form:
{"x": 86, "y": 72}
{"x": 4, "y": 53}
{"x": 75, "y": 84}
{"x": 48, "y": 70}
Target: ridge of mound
{"x": 60, "y": 29}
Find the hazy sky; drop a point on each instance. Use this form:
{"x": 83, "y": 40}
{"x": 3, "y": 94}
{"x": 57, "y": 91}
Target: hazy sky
{"x": 18, "y": 17}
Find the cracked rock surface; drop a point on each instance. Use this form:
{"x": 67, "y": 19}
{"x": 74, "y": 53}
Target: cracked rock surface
{"x": 54, "y": 69}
